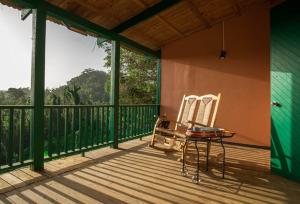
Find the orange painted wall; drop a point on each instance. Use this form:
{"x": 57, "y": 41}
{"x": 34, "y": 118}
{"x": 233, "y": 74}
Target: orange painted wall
{"x": 191, "y": 66}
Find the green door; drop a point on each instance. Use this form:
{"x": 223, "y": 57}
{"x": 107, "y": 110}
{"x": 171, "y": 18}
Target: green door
{"x": 285, "y": 90}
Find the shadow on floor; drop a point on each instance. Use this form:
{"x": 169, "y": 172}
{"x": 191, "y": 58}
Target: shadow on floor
{"x": 137, "y": 173}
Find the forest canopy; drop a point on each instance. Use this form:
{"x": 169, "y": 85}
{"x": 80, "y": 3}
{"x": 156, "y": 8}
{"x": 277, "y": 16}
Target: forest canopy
{"x": 92, "y": 87}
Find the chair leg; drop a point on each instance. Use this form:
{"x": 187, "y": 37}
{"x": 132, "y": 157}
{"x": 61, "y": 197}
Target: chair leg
{"x": 154, "y": 131}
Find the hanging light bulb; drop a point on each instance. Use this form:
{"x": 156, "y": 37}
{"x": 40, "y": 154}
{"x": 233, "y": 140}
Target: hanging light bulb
{"x": 223, "y": 52}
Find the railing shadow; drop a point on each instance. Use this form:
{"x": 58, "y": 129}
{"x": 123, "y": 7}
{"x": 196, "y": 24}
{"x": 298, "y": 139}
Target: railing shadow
{"x": 136, "y": 173}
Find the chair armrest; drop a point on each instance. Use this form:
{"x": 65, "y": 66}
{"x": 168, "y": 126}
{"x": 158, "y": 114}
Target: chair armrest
{"x": 166, "y": 119}
{"x": 171, "y": 132}
{"x": 195, "y": 123}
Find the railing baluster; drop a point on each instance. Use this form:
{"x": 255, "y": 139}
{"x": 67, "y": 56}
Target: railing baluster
{"x": 86, "y": 127}
{"x": 66, "y": 130}
{"x": 73, "y": 129}
{"x": 138, "y": 121}
{"x": 125, "y": 122}
{"x": 80, "y": 128}
{"x": 97, "y": 125}
{"x": 131, "y": 122}
{"x": 50, "y": 132}
{"x": 148, "y": 121}
{"x": 92, "y": 126}
{"x": 21, "y": 138}
{"x": 119, "y": 123}
{"x": 102, "y": 125}
{"x": 149, "y": 118}
{"x": 134, "y": 120}
{"x": 58, "y": 116}
{"x": 107, "y": 124}
{"x": 10, "y": 137}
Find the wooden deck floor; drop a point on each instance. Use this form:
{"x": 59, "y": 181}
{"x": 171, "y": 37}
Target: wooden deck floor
{"x": 138, "y": 174}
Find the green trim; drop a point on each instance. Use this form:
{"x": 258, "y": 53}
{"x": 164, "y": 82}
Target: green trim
{"x": 37, "y": 86}
{"x": 25, "y": 13}
{"x": 114, "y": 91}
{"x": 146, "y": 14}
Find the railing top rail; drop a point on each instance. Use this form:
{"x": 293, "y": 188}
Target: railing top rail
{"x": 16, "y": 106}
{"x": 139, "y": 104}
{"x": 70, "y": 106}
{"x": 77, "y": 106}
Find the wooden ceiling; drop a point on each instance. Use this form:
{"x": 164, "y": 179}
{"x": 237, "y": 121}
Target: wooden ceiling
{"x": 175, "y": 22}
{"x": 179, "y": 20}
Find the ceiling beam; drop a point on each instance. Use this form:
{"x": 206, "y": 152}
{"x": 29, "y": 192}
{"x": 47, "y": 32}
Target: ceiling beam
{"x": 85, "y": 25}
{"x": 199, "y": 14}
{"x": 160, "y": 18}
{"x": 237, "y": 7}
{"x": 144, "y": 15}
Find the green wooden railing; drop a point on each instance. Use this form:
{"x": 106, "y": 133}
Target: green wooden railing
{"x": 136, "y": 121}
{"x": 69, "y": 129}
{"x": 14, "y": 136}
{"x": 74, "y": 129}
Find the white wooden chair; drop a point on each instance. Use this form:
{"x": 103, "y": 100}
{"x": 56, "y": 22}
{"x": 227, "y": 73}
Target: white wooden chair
{"x": 195, "y": 111}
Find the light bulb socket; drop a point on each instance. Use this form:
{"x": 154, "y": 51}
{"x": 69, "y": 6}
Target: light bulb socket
{"x": 223, "y": 55}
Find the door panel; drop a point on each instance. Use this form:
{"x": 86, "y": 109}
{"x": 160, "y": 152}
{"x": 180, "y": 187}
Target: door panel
{"x": 285, "y": 89}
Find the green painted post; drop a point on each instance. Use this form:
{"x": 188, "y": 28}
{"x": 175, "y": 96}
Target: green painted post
{"x": 158, "y": 84}
{"x": 37, "y": 86}
{"x": 114, "y": 91}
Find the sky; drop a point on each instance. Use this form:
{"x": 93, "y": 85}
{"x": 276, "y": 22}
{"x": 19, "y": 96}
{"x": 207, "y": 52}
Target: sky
{"x": 67, "y": 53}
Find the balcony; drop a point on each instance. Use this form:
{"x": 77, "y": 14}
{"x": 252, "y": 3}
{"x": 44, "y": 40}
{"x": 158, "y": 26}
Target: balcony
{"x": 101, "y": 153}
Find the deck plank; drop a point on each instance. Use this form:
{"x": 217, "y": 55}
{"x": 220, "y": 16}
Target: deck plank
{"x": 136, "y": 173}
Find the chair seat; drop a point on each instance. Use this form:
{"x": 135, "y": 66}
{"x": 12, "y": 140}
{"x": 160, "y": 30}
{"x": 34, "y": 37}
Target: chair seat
{"x": 171, "y": 132}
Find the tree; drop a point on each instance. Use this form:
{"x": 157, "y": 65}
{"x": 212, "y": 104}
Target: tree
{"x": 137, "y": 76}
{"x": 74, "y": 93}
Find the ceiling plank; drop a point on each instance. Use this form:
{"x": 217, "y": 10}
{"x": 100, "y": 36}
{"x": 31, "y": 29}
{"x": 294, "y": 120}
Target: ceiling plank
{"x": 98, "y": 10}
{"x": 144, "y": 15}
{"x": 198, "y": 13}
{"x": 173, "y": 28}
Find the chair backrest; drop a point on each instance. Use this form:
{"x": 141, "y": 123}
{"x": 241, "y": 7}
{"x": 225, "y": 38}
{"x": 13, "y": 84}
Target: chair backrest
{"x": 196, "y": 110}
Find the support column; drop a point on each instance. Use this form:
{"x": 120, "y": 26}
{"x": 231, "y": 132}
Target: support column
{"x": 158, "y": 84}
{"x": 114, "y": 91}
{"x": 37, "y": 86}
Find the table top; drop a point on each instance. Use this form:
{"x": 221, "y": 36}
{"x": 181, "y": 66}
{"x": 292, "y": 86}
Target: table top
{"x": 209, "y": 134}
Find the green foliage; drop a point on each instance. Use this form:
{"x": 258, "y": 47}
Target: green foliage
{"x": 137, "y": 77}
{"x": 15, "y": 96}
{"x": 85, "y": 89}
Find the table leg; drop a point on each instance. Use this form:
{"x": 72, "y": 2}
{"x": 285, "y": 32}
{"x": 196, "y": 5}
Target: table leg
{"x": 221, "y": 141}
{"x": 195, "y": 178}
{"x": 183, "y": 170}
{"x": 207, "y": 153}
